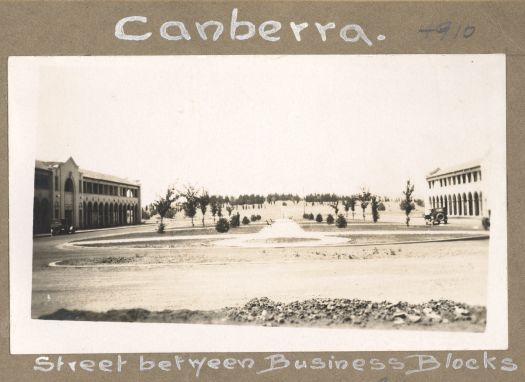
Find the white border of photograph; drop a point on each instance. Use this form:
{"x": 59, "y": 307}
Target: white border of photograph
{"x": 63, "y": 337}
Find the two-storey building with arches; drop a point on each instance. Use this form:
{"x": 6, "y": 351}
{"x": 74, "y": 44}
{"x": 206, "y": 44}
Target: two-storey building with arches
{"x": 83, "y": 198}
{"x": 460, "y": 189}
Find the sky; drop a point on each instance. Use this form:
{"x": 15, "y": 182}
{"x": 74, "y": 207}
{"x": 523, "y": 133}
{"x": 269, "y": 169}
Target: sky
{"x": 261, "y": 124}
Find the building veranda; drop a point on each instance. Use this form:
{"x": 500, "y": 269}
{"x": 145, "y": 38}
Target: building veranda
{"x": 82, "y": 198}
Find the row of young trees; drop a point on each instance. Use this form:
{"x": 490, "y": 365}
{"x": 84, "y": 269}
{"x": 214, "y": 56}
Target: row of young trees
{"x": 364, "y": 199}
{"x": 191, "y": 200}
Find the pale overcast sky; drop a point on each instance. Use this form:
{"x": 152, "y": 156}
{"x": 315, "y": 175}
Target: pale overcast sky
{"x": 260, "y": 124}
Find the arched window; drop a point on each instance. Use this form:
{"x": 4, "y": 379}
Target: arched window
{"x": 68, "y": 187}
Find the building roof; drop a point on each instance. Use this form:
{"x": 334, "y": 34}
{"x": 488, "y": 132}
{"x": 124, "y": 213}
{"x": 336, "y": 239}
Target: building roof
{"x": 108, "y": 178}
{"x": 457, "y": 168}
{"x": 46, "y": 165}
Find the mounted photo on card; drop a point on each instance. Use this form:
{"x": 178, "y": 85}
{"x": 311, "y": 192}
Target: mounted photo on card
{"x": 293, "y": 202}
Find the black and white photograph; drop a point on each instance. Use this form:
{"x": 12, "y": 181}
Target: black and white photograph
{"x": 309, "y": 201}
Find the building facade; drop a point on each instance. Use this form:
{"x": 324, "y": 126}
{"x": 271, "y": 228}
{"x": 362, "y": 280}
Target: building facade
{"x": 459, "y": 189}
{"x": 83, "y": 198}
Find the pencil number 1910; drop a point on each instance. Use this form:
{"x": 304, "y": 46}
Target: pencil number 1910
{"x": 448, "y": 30}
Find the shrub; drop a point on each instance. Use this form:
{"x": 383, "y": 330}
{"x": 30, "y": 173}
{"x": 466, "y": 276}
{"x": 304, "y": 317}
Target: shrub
{"x": 222, "y": 225}
{"x": 161, "y": 228}
{"x": 258, "y": 217}
{"x": 311, "y": 216}
{"x": 319, "y": 218}
{"x": 245, "y": 220}
{"x": 330, "y": 219}
{"x": 253, "y": 218}
{"x": 235, "y": 221}
{"x": 485, "y": 222}
{"x": 305, "y": 216}
{"x": 285, "y": 204}
{"x": 381, "y": 206}
{"x": 341, "y": 221}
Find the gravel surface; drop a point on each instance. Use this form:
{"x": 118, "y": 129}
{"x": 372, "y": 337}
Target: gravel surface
{"x": 445, "y": 314}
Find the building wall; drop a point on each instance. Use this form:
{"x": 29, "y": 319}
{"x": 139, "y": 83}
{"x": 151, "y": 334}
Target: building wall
{"x": 62, "y": 192}
{"x": 462, "y": 192}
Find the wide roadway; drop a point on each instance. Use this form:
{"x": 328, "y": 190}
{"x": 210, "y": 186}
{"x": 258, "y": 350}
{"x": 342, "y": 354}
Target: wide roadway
{"x": 213, "y": 279}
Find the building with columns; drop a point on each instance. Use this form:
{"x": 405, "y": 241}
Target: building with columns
{"x": 83, "y": 198}
{"x": 459, "y": 189}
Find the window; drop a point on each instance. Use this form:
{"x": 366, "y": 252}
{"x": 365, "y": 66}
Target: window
{"x": 68, "y": 187}
{"x": 41, "y": 181}
{"x": 56, "y": 183}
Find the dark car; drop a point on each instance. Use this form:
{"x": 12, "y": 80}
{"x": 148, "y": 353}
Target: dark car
{"x": 59, "y": 226}
{"x": 436, "y": 216}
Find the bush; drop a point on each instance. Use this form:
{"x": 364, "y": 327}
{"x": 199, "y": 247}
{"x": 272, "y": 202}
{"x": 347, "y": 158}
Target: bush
{"x": 253, "y": 218}
{"x": 285, "y": 204}
{"x": 311, "y": 216}
{"x": 306, "y": 216}
{"x": 235, "y": 221}
{"x": 330, "y": 219}
{"x": 485, "y": 222}
{"x": 258, "y": 217}
{"x": 341, "y": 221}
{"x": 381, "y": 207}
{"x": 161, "y": 228}
{"x": 319, "y": 218}
{"x": 222, "y": 225}
{"x": 245, "y": 220}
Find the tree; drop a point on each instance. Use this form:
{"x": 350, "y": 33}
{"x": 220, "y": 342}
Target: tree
{"x": 335, "y": 205}
{"x": 192, "y": 202}
{"x": 407, "y": 204}
{"x": 162, "y": 206}
{"x": 204, "y": 201}
{"x": 229, "y": 208}
{"x": 364, "y": 198}
{"x": 245, "y": 220}
{"x": 349, "y": 203}
{"x": 214, "y": 206}
{"x": 330, "y": 219}
{"x": 341, "y": 221}
{"x": 375, "y": 208}
{"x": 235, "y": 220}
{"x": 222, "y": 225}
{"x": 319, "y": 218}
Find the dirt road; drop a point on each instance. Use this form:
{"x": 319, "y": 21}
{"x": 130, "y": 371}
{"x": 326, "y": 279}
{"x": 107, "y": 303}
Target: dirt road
{"x": 230, "y": 277}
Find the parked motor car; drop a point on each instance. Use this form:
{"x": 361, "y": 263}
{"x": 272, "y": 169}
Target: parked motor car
{"x": 59, "y": 226}
{"x": 436, "y": 216}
